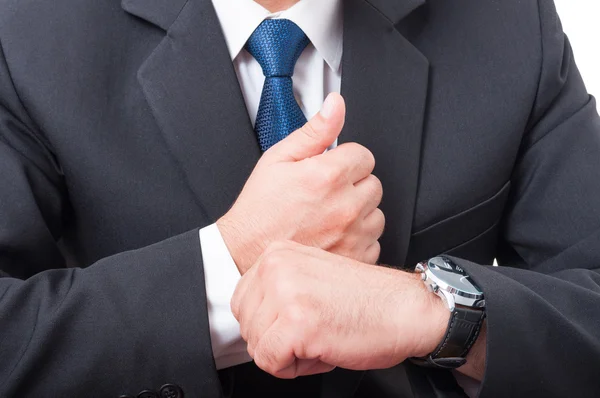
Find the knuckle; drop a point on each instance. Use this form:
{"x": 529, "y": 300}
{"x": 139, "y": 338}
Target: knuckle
{"x": 378, "y": 187}
{"x": 284, "y": 289}
{"x": 360, "y": 153}
{"x": 380, "y": 219}
{"x": 374, "y": 187}
{"x": 263, "y": 359}
{"x": 295, "y": 314}
{"x": 353, "y": 148}
{"x": 328, "y": 175}
{"x": 311, "y": 167}
{"x": 348, "y": 244}
{"x": 266, "y": 352}
{"x": 372, "y": 253}
{"x": 348, "y": 214}
{"x": 253, "y": 340}
{"x": 270, "y": 263}
{"x": 244, "y": 330}
{"x": 263, "y": 270}
{"x": 367, "y": 157}
{"x": 376, "y": 252}
{"x": 251, "y": 350}
{"x": 377, "y": 248}
{"x": 318, "y": 175}
{"x": 271, "y": 260}
{"x": 235, "y": 306}
{"x": 279, "y": 263}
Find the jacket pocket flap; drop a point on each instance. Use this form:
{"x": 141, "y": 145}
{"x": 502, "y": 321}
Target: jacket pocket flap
{"x": 458, "y": 229}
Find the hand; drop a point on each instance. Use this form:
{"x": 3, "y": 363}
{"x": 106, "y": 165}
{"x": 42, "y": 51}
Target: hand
{"x": 305, "y": 311}
{"x": 297, "y": 192}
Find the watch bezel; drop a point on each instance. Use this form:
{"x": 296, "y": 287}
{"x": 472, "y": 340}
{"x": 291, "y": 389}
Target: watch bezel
{"x": 450, "y": 294}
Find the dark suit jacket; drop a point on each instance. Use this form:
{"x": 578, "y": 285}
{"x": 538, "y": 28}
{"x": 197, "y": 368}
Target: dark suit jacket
{"x": 123, "y": 130}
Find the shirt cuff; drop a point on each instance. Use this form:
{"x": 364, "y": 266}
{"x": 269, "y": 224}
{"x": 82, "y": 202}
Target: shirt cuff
{"x": 221, "y": 277}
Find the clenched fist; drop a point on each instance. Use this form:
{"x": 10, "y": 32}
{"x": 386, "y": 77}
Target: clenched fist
{"x": 301, "y": 193}
{"x": 305, "y": 311}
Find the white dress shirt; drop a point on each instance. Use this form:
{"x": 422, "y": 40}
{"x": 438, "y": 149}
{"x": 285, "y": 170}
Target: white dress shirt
{"x": 317, "y": 73}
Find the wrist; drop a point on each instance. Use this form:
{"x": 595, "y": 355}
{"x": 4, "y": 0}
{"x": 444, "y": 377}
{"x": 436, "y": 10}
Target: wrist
{"x": 434, "y": 316}
{"x": 244, "y": 251}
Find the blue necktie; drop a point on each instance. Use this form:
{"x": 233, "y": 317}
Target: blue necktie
{"x": 276, "y": 44}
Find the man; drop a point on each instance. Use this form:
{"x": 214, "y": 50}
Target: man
{"x": 159, "y": 226}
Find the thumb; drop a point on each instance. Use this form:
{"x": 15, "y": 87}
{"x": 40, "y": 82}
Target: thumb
{"x": 314, "y": 137}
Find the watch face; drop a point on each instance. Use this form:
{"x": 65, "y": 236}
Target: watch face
{"x": 453, "y": 275}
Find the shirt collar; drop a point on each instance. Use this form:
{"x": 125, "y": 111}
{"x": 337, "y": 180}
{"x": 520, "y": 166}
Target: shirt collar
{"x": 321, "y": 20}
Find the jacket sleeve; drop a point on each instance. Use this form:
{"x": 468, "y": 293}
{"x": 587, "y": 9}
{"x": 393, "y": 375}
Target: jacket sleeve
{"x": 543, "y": 304}
{"x": 133, "y": 321}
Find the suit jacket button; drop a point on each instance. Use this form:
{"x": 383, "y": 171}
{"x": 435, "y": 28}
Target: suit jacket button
{"x": 171, "y": 391}
{"x": 148, "y": 394}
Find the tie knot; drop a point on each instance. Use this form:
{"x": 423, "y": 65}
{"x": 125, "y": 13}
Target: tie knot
{"x": 276, "y": 44}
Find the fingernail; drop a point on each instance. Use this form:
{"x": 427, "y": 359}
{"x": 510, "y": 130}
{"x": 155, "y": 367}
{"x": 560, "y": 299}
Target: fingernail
{"x": 328, "y": 107}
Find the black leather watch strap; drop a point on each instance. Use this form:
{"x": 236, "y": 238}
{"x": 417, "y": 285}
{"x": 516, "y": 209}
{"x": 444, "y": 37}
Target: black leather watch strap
{"x": 463, "y": 329}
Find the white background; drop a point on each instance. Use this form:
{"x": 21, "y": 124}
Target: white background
{"x": 581, "y": 22}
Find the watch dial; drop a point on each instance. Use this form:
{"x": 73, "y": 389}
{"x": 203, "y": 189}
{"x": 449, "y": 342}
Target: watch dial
{"x": 453, "y": 275}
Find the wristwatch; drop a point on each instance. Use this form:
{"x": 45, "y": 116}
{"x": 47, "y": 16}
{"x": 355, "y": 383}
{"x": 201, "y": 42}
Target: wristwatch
{"x": 465, "y": 301}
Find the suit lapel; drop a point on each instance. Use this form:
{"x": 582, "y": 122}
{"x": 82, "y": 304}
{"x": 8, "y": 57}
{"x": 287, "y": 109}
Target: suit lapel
{"x": 384, "y": 83}
{"x": 191, "y": 86}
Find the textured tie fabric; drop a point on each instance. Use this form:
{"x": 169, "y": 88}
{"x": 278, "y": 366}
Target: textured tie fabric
{"x": 276, "y": 44}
